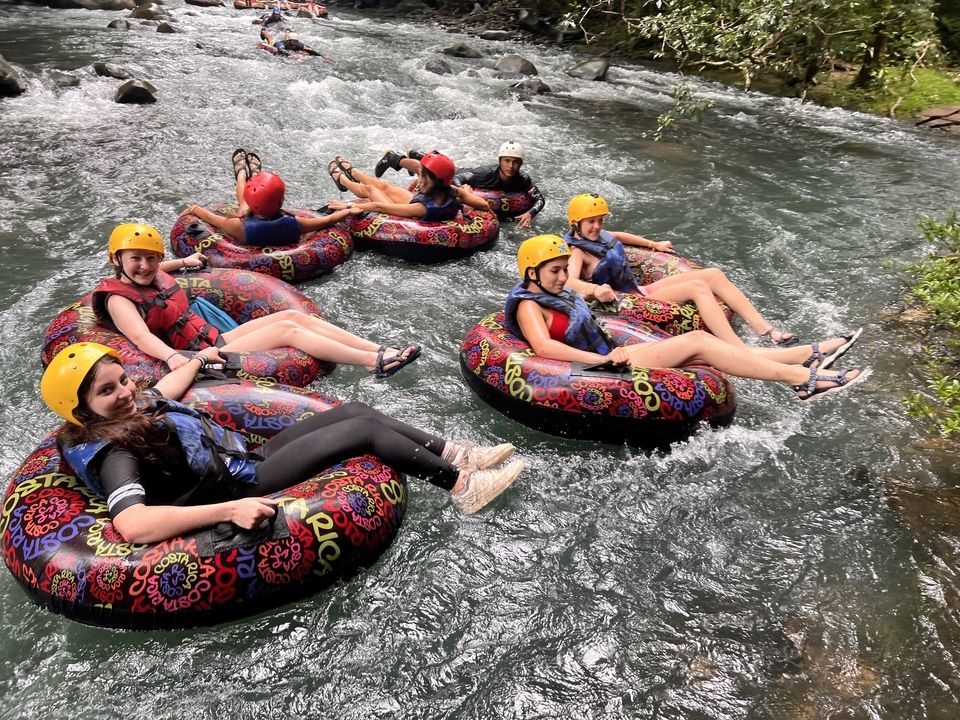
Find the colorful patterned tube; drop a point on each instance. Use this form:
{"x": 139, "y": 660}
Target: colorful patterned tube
{"x": 243, "y": 295}
{"x": 316, "y": 254}
{"x": 652, "y": 265}
{"x": 60, "y": 545}
{"x": 647, "y": 407}
{"x": 426, "y": 242}
{"x": 507, "y": 204}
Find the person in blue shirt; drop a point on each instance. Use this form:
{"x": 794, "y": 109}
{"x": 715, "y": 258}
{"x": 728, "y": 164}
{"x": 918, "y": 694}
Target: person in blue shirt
{"x": 435, "y": 201}
{"x": 260, "y": 219}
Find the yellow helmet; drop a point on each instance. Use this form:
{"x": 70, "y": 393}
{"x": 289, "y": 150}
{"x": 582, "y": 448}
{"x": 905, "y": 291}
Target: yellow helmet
{"x": 586, "y": 205}
{"x": 537, "y": 250}
{"x": 61, "y": 381}
{"x": 135, "y": 236}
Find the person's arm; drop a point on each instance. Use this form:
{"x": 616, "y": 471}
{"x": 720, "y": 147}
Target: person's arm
{"x": 175, "y": 384}
{"x": 640, "y": 241}
{"x": 474, "y": 201}
{"x": 197, "y": 260}
{"x": 574, "y": 280}
{"x": 131, "y": 325}
{"x": 411, "y": 210}
{"x": 312, "y": 224}
{"x": 152, "y": 523}
{"x": 232, "y": 226}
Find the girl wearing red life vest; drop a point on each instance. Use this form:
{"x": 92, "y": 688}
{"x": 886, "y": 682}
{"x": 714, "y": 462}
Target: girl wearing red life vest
{"x": 147, "y": 306}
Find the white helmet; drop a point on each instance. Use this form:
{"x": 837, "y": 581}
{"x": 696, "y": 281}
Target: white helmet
{"x": 511, "y": 149}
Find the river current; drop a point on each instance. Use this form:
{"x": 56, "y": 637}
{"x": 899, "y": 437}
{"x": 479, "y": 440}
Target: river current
{"x": 752, "y": 572}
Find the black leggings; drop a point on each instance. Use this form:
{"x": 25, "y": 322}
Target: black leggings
{"x": 302, "y": 450}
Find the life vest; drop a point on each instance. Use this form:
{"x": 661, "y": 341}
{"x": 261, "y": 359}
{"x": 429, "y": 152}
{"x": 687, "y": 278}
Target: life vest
{"x": 164, "y": 308}
{"x": 214, "y": 453}
{"x": 613, "y": 268}
{"x": 583, "y": 331}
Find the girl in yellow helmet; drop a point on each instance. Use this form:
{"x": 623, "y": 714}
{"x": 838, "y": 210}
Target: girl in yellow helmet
{"x": 165, "y": 469}
{"x": 558, "y": 325}
{"x": 147, "y": 306}
{"x": 598, "y": 270}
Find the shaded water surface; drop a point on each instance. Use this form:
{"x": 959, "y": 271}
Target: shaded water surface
{"x": 753, "y": 572}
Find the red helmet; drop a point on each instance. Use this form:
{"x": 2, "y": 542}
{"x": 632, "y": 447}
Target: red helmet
{"x": 440, "y": 166}
{"x": 264, "y": 193}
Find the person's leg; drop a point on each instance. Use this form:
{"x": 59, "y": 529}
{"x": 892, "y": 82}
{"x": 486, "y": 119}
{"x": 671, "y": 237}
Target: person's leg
{"x": 287, "y": 334}
{"x": 729, "y": 293}
{"x": 312, "y": 325}
{"x": 309, "y": 447}
{"x": 368, "y": 186}
{"x": 701, "y": 294}
{"x": 240, "y": 171}
{"x": 701, "y": 347}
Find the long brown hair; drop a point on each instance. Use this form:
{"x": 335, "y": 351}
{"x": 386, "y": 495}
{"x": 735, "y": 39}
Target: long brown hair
{"x": 139, "y": 433}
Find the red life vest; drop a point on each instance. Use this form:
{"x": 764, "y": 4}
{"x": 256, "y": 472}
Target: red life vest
{"x": 164, "y": 308}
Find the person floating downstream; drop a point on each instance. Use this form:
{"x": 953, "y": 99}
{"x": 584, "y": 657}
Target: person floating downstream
{"x": 598, "y": 268}
{"x": 558, "y": 325}
{"x": 166, "y": 469}
{"x": 260, "y": 219}
{"x": 147, "y": 305}
{"x": 289, "y": 43}
{"x": 436, "y": 200}
{"x": 505, "y": 176}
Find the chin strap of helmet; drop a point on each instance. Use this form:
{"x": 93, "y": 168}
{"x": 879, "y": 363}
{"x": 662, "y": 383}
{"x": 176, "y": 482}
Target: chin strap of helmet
{"x": 536, "y": 281}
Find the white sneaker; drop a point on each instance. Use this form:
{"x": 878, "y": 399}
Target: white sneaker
{"x": 481, "y": 457}
{"x": 480, "y": 487}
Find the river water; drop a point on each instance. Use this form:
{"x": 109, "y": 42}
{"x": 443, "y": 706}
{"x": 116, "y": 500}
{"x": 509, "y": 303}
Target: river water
{"x": 753, "y": 572}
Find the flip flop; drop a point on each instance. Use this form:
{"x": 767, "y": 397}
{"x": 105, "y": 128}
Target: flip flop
{"x": 840, "y": 382}
{"x": 239, "y": 160}
{"x": 851, "y": 338}
{"x": 253, "y": 165}
{"x": 335, "y": 173}
{"x": 345, "y": 166}
{"x": 395, "y": 362}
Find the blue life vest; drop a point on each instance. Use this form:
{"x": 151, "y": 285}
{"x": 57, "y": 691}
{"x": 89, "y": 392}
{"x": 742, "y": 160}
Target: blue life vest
{"x": 437, "y": 212}
{"x": 613, "y": 268}
{"x": 211, "y": 450}
{"x": 583, "y": 330}
{"x": 283, "y": 230}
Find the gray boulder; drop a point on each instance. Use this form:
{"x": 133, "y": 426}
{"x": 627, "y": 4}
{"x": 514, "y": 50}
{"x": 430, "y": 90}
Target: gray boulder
{"x": 515, "y": 64}
{"x": 165, "y": 27}
{"x": 136, "y": 91}
{"x": 462, "y": 50}
{"x": 11, "y": 84}
{"x": 119, "y": 24}
{"x": 111, "y": 70}
{"x": 532, "y": 86}
{"x": 496, "y": 35}
{"x": 64, "y": 79}
{"x": 150, "y": 11}
{"x": 592, "y": 69}
{"x": 438, "y": 66}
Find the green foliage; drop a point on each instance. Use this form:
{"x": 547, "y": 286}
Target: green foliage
{"x": 900, "y": 91}
{"x": 792, "y": 38}
{"x": 686, "y": 104}
{"x": 938, "y": 288}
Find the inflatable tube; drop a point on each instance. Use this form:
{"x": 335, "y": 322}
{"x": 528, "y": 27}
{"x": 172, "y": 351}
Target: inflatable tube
{"x": 60, "y": 545}
{"x": 647, "y": 407}
{"x": 507, "y": 204}
{"x": 652, "y": 265}
{"x": 316, "y": 254}
{"x": 427, "y": 242}
{"x": 241, "y": 294}
{"x": 671, "y": 318}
